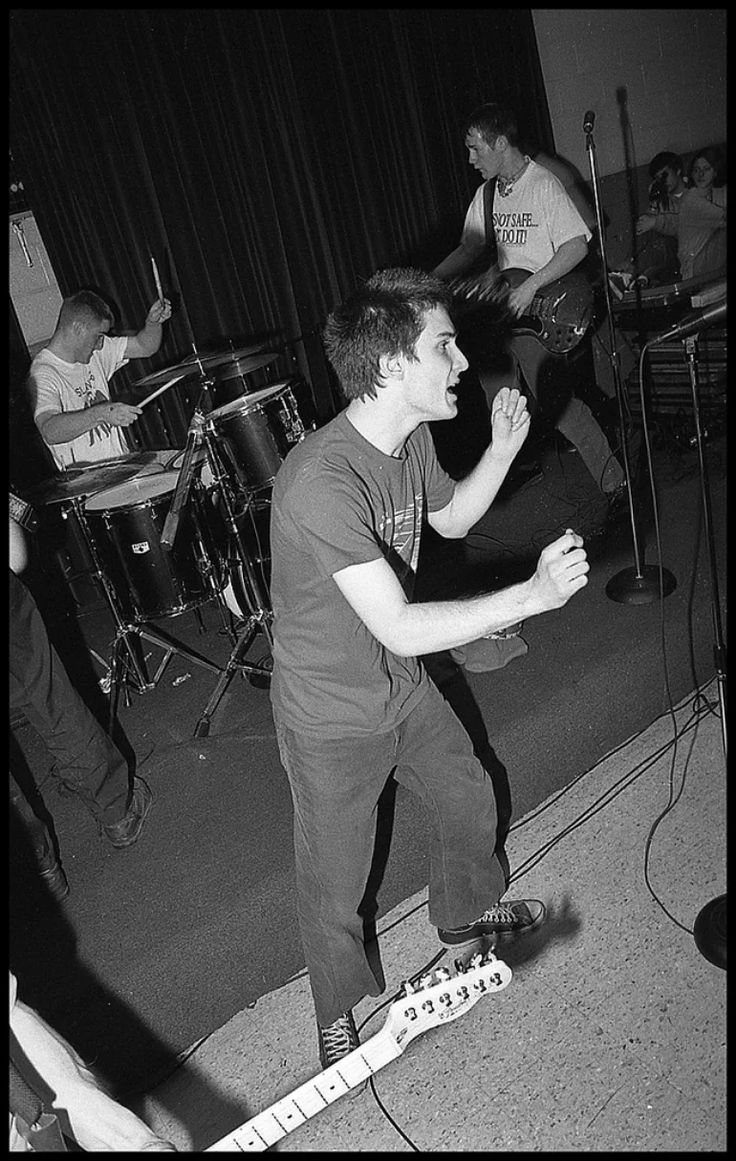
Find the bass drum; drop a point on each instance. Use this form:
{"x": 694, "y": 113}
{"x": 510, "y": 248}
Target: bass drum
{"x": 253, "y": 529}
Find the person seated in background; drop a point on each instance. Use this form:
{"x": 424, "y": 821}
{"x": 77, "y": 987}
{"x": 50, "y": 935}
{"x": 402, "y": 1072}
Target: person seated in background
{"x": 86, "y": 1115}
{"x": 679, "y": 212}
{"x": 655, "y": 262}
{"x": 707, "y": 179}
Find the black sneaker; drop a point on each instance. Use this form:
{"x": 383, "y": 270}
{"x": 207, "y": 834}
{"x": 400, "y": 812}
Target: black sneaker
{"x": 127, "y": 831}
{"x": 337, "y": 1040}
{"x": 503, "y": 919}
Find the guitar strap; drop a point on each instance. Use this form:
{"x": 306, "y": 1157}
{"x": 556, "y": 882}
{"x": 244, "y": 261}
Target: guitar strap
{"x": 489, "y": 190}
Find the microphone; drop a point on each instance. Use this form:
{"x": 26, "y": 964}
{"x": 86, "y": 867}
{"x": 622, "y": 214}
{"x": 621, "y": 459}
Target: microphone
{"x": 696, "y": 321}
{"x": 588, "y": 121}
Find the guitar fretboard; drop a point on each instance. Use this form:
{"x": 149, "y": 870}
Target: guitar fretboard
{"x": 311, "y": 1098}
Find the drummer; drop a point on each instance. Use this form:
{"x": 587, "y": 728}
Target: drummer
{"x": 69, "y": 380}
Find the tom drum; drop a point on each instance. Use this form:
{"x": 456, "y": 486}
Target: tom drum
{"x": 253, "y": 434}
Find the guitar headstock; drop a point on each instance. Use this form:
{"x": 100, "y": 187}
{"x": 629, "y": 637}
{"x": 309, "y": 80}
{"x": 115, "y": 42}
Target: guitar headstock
{"x": 441, "y": 996}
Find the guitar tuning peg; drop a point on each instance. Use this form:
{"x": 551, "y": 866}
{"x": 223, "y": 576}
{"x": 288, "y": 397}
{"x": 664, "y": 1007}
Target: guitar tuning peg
{"x": 443, "y": 974}
{"x": 460, "y": 967}
{"x": 425, "y": 981}
{"x": 407, "y": 988}
{"x": 476, "y": 960}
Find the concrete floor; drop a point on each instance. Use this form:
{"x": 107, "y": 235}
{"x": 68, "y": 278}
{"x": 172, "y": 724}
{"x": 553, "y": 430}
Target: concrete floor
{"x": 611, "y": 1033}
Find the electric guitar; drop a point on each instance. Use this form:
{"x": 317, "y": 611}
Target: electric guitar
{"x": 422, "y": 1006}
{"x": 559, "y": 315}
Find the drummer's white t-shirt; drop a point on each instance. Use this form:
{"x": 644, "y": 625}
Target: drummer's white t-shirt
{"x": 57, "y": 386}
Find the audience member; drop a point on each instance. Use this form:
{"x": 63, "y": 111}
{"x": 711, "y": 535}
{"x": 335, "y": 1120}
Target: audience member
{"x": 697, "y": 222}
{"x": 655, "y": 261}
{"x": 707, "y": 178}
{"x": 87, "y": 761}
{"x": 46, "y": 1072}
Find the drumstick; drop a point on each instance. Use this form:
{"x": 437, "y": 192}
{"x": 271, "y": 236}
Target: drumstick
{"x": 156, "y": 279}
{"x": 159, "y": 390}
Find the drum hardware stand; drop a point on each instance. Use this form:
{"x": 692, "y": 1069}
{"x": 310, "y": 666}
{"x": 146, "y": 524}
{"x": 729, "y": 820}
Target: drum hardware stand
{"x": 135, "y": 659}
{"x": 641, "y": 584}
{"x": 193, "y": 443}
{"x": 127, "y": 663}
{"x": 259, "y": 618}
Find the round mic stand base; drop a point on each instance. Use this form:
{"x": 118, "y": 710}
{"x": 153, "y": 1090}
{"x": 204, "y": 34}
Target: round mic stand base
{"x": 641, "y": 586}
{"x": 709, "y": 931}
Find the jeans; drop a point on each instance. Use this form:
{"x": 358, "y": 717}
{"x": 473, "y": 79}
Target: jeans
{"x": 575, "y": 421}
{"x": 87, "y": 761}
{"x": 335, "y": 788}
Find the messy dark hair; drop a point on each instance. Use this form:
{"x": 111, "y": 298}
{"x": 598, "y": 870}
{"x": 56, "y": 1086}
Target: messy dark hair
{"x": 493, "y": 121}
{"x": 382, "y": 318}
{"x": 665, "y": 160}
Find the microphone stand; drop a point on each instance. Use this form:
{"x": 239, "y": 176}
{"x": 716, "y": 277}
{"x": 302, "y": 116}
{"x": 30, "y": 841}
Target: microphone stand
{"x": 641, "y": 584}
{"x": 709, "y": 929}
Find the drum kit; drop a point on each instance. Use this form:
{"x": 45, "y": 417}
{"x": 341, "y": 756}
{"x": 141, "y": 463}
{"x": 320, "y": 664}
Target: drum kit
{"x": 165, "y": 539}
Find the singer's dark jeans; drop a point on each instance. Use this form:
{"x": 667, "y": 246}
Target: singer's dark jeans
{"x": 335, "y": 787}
{"x": 87, "y": 760}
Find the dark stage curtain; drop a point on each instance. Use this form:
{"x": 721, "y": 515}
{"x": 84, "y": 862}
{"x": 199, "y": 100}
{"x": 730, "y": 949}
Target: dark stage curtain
{"x": 268, "y": 159}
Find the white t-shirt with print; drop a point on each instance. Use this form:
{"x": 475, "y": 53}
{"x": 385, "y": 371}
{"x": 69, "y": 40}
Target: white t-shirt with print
{"x": 531, "y": 222}
{"x": 57, "y": 387}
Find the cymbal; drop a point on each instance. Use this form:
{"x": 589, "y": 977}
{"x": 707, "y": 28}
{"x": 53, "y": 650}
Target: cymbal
{"x": 249, "y": 358}
{"x": 186, "y": 367}
{"x": 79, "y": 482}
{"x": 233, "y": 368}
{"x": 192, "y": 365}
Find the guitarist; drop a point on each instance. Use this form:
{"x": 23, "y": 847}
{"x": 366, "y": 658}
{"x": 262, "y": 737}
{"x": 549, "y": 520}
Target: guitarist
{"x": 523, "y": 222}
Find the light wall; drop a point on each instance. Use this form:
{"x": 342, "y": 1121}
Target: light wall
{"x": 655, "y": 79}
{"x": 670, "y": 62}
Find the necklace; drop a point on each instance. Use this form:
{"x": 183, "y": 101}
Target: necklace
{"x": 506, "y": 184}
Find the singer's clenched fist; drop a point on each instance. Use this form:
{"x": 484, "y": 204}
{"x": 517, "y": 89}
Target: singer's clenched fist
{"x": 562, "y": 569}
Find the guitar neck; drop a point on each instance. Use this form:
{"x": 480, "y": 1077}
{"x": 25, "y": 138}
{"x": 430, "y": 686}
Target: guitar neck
{"x": 287, "y": 1114}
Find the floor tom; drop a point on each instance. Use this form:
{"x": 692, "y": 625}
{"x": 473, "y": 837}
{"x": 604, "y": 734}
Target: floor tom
{"x": 126, "y": 524}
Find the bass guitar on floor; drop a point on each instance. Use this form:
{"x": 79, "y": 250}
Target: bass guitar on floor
{"x": 422, "y": 1006}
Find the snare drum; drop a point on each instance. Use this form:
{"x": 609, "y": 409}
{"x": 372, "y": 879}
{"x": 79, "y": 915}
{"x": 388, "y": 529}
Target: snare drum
{"x": 255, "y": 432}
{"x": 126, "y": 524}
